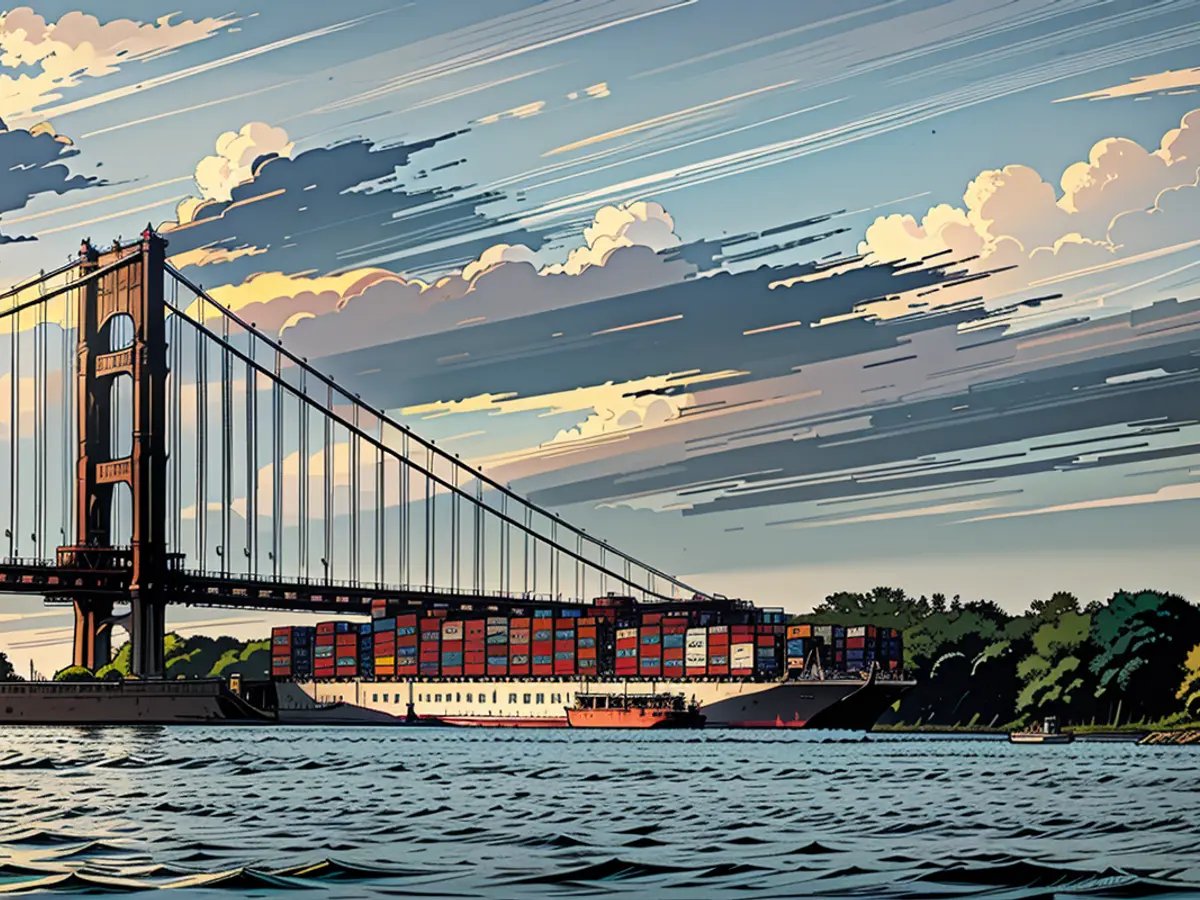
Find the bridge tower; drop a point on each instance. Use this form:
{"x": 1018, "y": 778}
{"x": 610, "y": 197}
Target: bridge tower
{"x": 125, "y": 281}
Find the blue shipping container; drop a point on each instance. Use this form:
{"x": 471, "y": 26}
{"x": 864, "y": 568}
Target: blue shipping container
{"x": 385, "y": 624}
{"x": 673, "y": 641}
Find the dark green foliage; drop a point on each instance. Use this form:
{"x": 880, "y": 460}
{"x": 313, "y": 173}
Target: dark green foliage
{"x": 1141, "y": 643}
{"x": 7, "y": 672}
{"x": 201, "y": 656}
{"x": 1132, "y": 658}
{"x": 74, "y": 673}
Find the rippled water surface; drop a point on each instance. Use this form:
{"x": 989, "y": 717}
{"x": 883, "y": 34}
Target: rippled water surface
{"x": 499, "y": 813}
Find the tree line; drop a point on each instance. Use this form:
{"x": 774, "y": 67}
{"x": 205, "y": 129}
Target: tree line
{"x": 1133, "y": 658}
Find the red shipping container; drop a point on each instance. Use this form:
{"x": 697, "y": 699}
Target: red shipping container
{"x": 741, "y": 673}
{"x": 855, "y": 643}
{"x": 493, "y": 670}
{"x": 475, "y": 669}
{"x": 385, "y": 671}
{"x": 718, "y": 670}
{"x": 452, "y": 671}
{"x": 410, "y": 620}
{"x": 475, "y": 656}
{"x": 696, "y": 671}
{"x": 326, "y": 627}
{"x": 476, "y": 628}
{"x": 672, "y": 653}
{"x": 564, "y": 667}
{"x": 766, "y": 640}
{"x": 543, "y": 668}
{"x": 406, "y": 666}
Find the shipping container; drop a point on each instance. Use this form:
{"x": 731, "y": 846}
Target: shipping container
{"x": 799, "y": 631}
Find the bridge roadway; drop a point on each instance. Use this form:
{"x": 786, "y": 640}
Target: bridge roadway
{"x": 104, "y": 573}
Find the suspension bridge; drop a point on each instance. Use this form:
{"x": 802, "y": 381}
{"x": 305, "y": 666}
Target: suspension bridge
{"x": 161, "y": 450}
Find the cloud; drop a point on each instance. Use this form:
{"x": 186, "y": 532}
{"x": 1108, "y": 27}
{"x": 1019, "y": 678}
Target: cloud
{"x": 61, "y": 54}
{"x": 1169, "y": 494}
{"x": 638, "y": 224}
{"x": 592, "y": 92}
{"x": 525, "y": 111}
{"x": 369, "y": 306}
{"x": 1013, "y": 217}
{"x": 237, "y": 153}
{"x": 330, "y": 209}
{"x": 1173, "y": 81}
{"x": 33, "y": 163}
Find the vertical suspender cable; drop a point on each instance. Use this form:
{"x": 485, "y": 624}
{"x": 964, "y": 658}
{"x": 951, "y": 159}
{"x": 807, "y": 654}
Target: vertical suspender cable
{"x": 353, "y": 453}
{"x": 454, "y": 536}
{"x": 201, "y": 445}
{"x": 252, "y": 459}
{"x": 405, "y": 516}
{"x": 226, "y": 445}
{"x": 276, "y": 468}
{"x": 480, "y": 560}
{"x": 302, "y": 438}
{"x": 429, "y": 523}
{"x": 505, "y": 548}
{"x": 14, "y": 417}
{"x": 66, "y": 454}
{"x": 380, "y": 570}
{"x": 38, "y": 394}
{"x": 327, "y": 504}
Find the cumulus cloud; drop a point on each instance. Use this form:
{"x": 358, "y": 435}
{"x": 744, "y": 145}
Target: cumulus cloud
{"x": 1013, "y": 217}
{"x": 54, "y": 56}
{"x": 237, "y": 152}
{"x": 638, "y": 224}
{"x": 364, "y": 307}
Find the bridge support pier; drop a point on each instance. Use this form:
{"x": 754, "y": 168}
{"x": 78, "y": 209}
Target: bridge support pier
{"x": 93, "y": 633}
{"x": 147, "y": 630}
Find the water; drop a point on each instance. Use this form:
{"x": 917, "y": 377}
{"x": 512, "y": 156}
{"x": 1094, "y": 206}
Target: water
{"x": 360, "y": 813}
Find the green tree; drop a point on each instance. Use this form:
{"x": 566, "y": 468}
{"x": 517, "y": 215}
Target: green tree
{"x": 7, "y": 671}
{"x": 1189, "y": 691}
{"x": 885, "y": 607}
{"x": 74, "y": 673}
{"x": 1054, "y": 676}
{"x": 253, "y": 661}
{"x": 1141, "y": 642}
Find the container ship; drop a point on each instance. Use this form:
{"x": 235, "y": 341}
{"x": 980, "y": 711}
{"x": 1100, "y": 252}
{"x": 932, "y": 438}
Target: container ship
{"x": 525, "y": 666}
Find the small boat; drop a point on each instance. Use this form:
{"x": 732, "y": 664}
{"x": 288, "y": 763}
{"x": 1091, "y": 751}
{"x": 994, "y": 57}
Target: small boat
{"x": 633, "y": 711}
{"x": 1047, "y": 732}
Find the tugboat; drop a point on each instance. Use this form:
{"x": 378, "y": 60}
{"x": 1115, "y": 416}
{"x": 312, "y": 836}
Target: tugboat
{"x": 660, "y": 710}
{"x": 1047, "y": 732}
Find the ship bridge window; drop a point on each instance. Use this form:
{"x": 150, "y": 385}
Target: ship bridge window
{"x": 437, "y": 698}
{"x": 483, "y": 699}
{"x": 512, "y": 698}
{"x": 541, "y": 698}
{"x": 457, "y": 698}
{"x": 374, "y": 698}
{"x": 527, "y": 696}
{"x": 494, "y": 697}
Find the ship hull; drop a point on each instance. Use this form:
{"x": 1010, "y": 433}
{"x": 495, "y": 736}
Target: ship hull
{"x": 854, "y": 704}
{"x": 124, "y": 703}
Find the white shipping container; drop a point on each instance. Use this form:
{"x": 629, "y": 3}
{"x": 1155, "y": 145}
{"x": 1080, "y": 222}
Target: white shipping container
{"x": 452, "y": 629}
{"x": 697, "y": 647}
{"x": 741, "y": 656}
{"x": 627, "y": 632}
{"x": 857, "y": 631}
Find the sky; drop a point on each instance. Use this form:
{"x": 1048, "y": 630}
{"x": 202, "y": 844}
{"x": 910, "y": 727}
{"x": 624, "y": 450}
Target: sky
{"x": 794, "y": 298}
